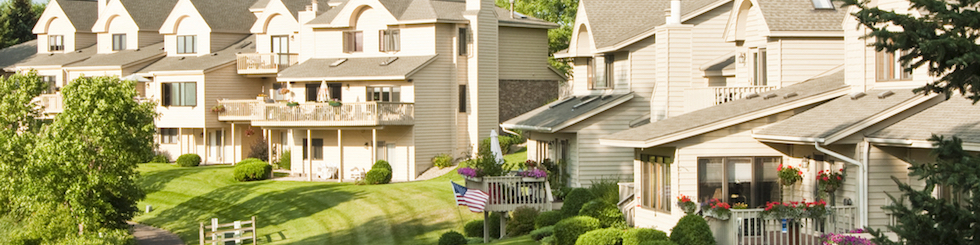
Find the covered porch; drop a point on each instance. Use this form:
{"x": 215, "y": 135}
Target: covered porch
{"x": 342, "y": 153}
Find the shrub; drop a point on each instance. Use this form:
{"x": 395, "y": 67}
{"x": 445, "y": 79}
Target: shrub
{"x": 657, "y": 243}
{"x": 285, "y": 160}
{"x": 452, "y": 238}
{"x": 442, "y": 160}
{"x": 260, "y": 150}
{"x": 382, "y": 164}
{"x": 548, "y": 218}
{"x": 607, "y": 236}
{"x": 160, "y": 158}
{"x": 574, "y": 201}
{"x": 608, "y": 214}
{"x": 606, "y": 190}
{"x": 474, "y": 240}
{"x": 693, "y": 230}
{"x": 542, "y": 232}
{"x": 378, "y": 176}
{"x": 521, "y": 221}
{"x": 252, "y": 169}
{"x": 638, "y": 235}
{"x": 568, "y": 230}
{"x": 189, "y": 160}
{"x": 548, "y": 240}
{"x": 474, "y": 228}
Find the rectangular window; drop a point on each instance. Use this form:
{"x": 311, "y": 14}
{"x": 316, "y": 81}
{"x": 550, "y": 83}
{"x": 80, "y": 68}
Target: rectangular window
{"x": 462, "y": 98}
{"x": 50, "y": 81}
{"x": 179, "y": 94}
{"x": 759, "y": 66}
{"x": 890, "y": 68}
{"x": 118, "y": 42}
{"x": 384, "y": 94}
{"x": 311, "y": 91}
{"x": 353, "y": 41}
{"x": 749, "y": 180}
{"x": 336, "y": 91}
{"x": 56, "y": 43}
{"x": 280, "y": 47}
{"x": 601, "y": 68}
{"x": 390, "y": 40}
{"x": 656, "y": 182}
{"x": 168, "y": 135}
{"x": 463, "y": 40}
{"x": 186, "y": 44}
{"x": 317, "y": 149}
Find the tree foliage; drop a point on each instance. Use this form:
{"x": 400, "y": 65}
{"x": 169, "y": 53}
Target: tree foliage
{"x": 561, "y": 12}
{"x": 941, "y": 35}
{"x": 925, "y": 219}
{"x": 17, "y": 19}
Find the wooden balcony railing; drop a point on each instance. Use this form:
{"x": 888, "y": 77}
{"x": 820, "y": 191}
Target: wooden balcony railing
{"x": 51, "y": 103}
{"x": 510, "y": 192}
{"x": 700, "y": 98}
{"x": 254, "y": 64}
{"x": 318, "y": 114}
{"x": 746, "y": 227}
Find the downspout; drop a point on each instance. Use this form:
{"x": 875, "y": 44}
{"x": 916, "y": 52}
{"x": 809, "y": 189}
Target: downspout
{"x": 862, "y": 176}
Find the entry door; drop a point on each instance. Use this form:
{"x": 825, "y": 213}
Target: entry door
{"x": 214, "y": 145}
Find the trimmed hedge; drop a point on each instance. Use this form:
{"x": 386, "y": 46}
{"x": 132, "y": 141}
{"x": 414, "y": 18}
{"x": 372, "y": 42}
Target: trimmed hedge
{"x": 382, "y": 164}
{"x": 607, "y": 236}
{"x": 452, "y": 238}
{"x": 378, "y": 176}
{"x": 568, "y": 230}
{"x": 548, "y": 218}
{"x": 657, "y": 243}
{"x": 548, "y": 240}
{"x": 639, "y": 235}
{"x": 574, "y": 201}
{"x": 521, "y": 221}
{"x": 608, "y": 214}
{"x": 252, "y": 169}
{"x": 692, "y": 230}
{"x": 189, "y": 160}
{"x": 474, "y": 240}
{"x": 442, "y": 161}
{"x": 542, "y": 232}
{"x": 474, "y": 228}
{"x": 159, "y": 159}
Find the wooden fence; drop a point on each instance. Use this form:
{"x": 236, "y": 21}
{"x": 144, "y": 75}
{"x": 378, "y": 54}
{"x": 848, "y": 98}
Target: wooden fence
{"x": 230, "y": 232}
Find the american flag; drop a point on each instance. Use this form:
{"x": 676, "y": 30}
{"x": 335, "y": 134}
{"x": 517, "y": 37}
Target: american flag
{"x": 473, "y": 198}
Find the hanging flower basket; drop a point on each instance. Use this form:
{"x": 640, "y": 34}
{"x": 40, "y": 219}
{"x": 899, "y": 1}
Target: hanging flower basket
{"x": 218, "y": 109}
{"x": 788, "y": 175}
{"x": 829, "y": 181}
{"x": 717, "y": 209}
{"x": 686, "y": 204}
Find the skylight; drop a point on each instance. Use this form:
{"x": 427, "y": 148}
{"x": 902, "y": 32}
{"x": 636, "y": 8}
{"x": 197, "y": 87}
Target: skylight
{"x": 822, "y": 4}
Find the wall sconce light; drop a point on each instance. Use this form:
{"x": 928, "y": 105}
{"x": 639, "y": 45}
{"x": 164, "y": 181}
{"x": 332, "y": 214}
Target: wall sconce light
{"x": 741, "y": 58}
{"x": 367, "y": 143}
{"x": 348, "y": 86}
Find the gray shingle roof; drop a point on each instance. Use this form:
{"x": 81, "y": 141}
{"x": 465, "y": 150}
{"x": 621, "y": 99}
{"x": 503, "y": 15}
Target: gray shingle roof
{"x": 831, "y": 117}
{"x": 204, "y": 62}
{"x": 732, "y": 109}
{"x": 295, "y": 6}
{"x": 408, "y": 10}
{"x": 799, "y": 15}
{"x": 548, "y": 117}
{"x": 957, "y": 116}
{"x": 124, "y": 57}
{"x": 149, "y": 15}
{"x": 615, "y": 21}
{"x": 17, "y": 53}
{"x": 355, "y": 67}
{"x": 260, "y": 4}
{"x": 59, "y": 59}
{"x": 226, "y": 15}
{"x": 82, "y": 14}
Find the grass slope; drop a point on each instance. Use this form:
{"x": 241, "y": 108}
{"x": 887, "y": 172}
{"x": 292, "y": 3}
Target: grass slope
{"x": 302, "y": 212}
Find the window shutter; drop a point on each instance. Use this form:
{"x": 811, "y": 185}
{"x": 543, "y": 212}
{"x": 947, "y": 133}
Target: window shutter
{"x": 462, "y": 98}
{"x": 382, "y": 40}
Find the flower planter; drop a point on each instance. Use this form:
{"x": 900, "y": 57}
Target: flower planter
{"x": 720, "y": 229}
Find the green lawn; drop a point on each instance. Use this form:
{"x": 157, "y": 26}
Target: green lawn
{"x": 302, "y": 212}
{"x": 516, "y": 157}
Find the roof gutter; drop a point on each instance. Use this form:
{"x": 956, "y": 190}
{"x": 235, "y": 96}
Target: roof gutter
{"x": 862, "y": 176}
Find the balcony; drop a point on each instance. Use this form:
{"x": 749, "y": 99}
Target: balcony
{"x": 50, "y": 104}
{"x": 265, "y": 64}
{"x": 746, "y": 227}
{"x": 700, "y": 98}
{"x": 318, "y": 114}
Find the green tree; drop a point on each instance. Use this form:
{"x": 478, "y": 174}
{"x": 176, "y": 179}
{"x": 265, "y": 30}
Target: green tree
{"x": 17, "y": 19}
{"x": 18, "y": 122}
{"x": 561, "y": 12}
{"x": 925, "y": 219}
{"x": 941, "y": 36}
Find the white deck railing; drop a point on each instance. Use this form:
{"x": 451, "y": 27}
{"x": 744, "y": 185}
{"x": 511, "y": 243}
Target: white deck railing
{"x": 510, "y": 192}
{"x": 51, "y": 103}
{"x": 265, "y": 63}
{"x": 700, "y": 98}
{"x": 747, "y": 228}
{"x": 318, "y": 114}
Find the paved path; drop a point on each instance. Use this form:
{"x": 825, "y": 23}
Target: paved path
{"x": 148, "y": 235}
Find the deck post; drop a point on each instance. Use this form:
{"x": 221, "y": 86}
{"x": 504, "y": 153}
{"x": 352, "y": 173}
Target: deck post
{"x": 503, "y": 225}
{"x": 486, "y": 229}
{"x": 234, "y": 147}
{"x": 340, "y": 148}
{"x": 374, "y": 145}
{"x": 255, "y": 229}
{"x": 201, "y": 237}
{"x": 309, "y": 154}
{"x": 268, "y": 141}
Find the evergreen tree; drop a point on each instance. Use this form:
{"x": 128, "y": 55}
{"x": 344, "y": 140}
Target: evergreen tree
{"x": 941, "y": 35}
{"x": 17, "y": 19}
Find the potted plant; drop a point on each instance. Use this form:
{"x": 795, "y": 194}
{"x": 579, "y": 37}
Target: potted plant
{"x": 789, "y": 175}
{"x": 717, "y": 209}
{"x": 218, "y": 108}
{"x": 334, "y": 103}
{"x": 685, "y": 203}
{"x": 829, "y": 181}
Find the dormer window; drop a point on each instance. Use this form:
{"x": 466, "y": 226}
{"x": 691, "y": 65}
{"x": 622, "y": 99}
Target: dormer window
{"x": 889, "y": 68}
{"x": 822, "y": 4}
{"x": 187, "y": 44}
{"x": 56, "y": 43}
{"x": 759, "y": 74}
{"x": 601, "y": 71}
{"x": 390, "y": 40}
{"x": 353, "y": 41}
{"x": 118, "y": 42}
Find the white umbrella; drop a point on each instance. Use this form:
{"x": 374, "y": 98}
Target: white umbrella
{"x": 135, "y": 77}
{"x": 323, "y": 94}
{"x": 495, "y": 147}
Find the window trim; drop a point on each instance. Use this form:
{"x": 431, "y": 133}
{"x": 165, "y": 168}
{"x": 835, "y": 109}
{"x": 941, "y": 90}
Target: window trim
{"x": 169, "y": 136}
{"x": 118, "y": 42}
{"x": 463, "y": 41}
{"x": 60, "y": 43}
{"x": 351, "y": 41}
{"x": 167, "y": 92}
{"x": 608, "y": 71}
{"x": 895, "y": 70}
{"x": 389, "y": 40}
{"x": 724, "y": 176}
{"x": 760, "y": 73}
{"x": 394, "y": 93}
{"x": 182, "y": 44}
{"x": 316, "y": 149}
{"x": 649, "y": 198}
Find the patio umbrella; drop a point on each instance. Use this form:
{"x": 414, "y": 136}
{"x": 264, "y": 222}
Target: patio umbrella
{"x": 135, "y": 77}
{"x": 323, "y": 94}
{"x": 495, "y": 147}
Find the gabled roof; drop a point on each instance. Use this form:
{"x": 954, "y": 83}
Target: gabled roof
{"x": 81, "y": 13}
{"x": 432, "y": 10}
{"x": 295, "y": 6}
{"x": 957, "y": 116}
{"x": 732, "y": 113}
{"x": 372, "y": 68}
{"x": 204, "y": 62}
{"x": 17, "y": 53}
{"x": 226, "y": 15}
{"x": 842, "y": 117}
{"x": 124, "y": 57}
{"x": 612, "y": 22}
{"x": 800, "y": 15}
{"x": 59, "y": 59}
{"x": 561, "y": 114}
{"x": 149, "y": 15}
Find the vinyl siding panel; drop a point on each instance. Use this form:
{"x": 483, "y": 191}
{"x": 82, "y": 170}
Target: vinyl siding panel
{"x": 707, "y": 41}
{"x": 434, "y": 115}
{"x": 800, "y": 59}
{"x": 524, "y": 54}
{"x": 885, "y": 162}
{"x": 146, "y": 38}
{"x": 225, "y": 83}
{"x": 220, "y": 41}
{"x": 756, "y": 36}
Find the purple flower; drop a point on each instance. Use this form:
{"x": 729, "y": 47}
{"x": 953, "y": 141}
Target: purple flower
{"x": 468, "y": 172}
{"x": 534, "y": 173}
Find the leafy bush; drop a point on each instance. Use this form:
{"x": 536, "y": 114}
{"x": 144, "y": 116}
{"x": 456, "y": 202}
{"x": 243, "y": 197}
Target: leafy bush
{"x": 285, "y": 160}
{"x": 608, "y": 214}
{"x": 252, "y": 169}
{"x": 693, "y": 230}
{"x": 382, "y": 164}
{"x": 606, "y": 190}
{"x": 548, "y": 240}
{"x": 542, "y": 232}
{"x": 160, "y": 158}
{"x": 607, "y": 236}
{"x": 657, "y": 243}
{"x": 378, "y": 176}
{"x": 638, "y": 235}
{"x": 574, "y": 201}
{"x": 260, "y": 150}
{"x": 452, "y": 238}
{"x": 189, "y": 160}
{"x": 548, "y": 218}
{"x": 474, "y": 228}
{"x": 521, "y": 221}
{"x": 474, "y": 240}
{"x": 442, "y": 160}
{"x": 568, "y": 230}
